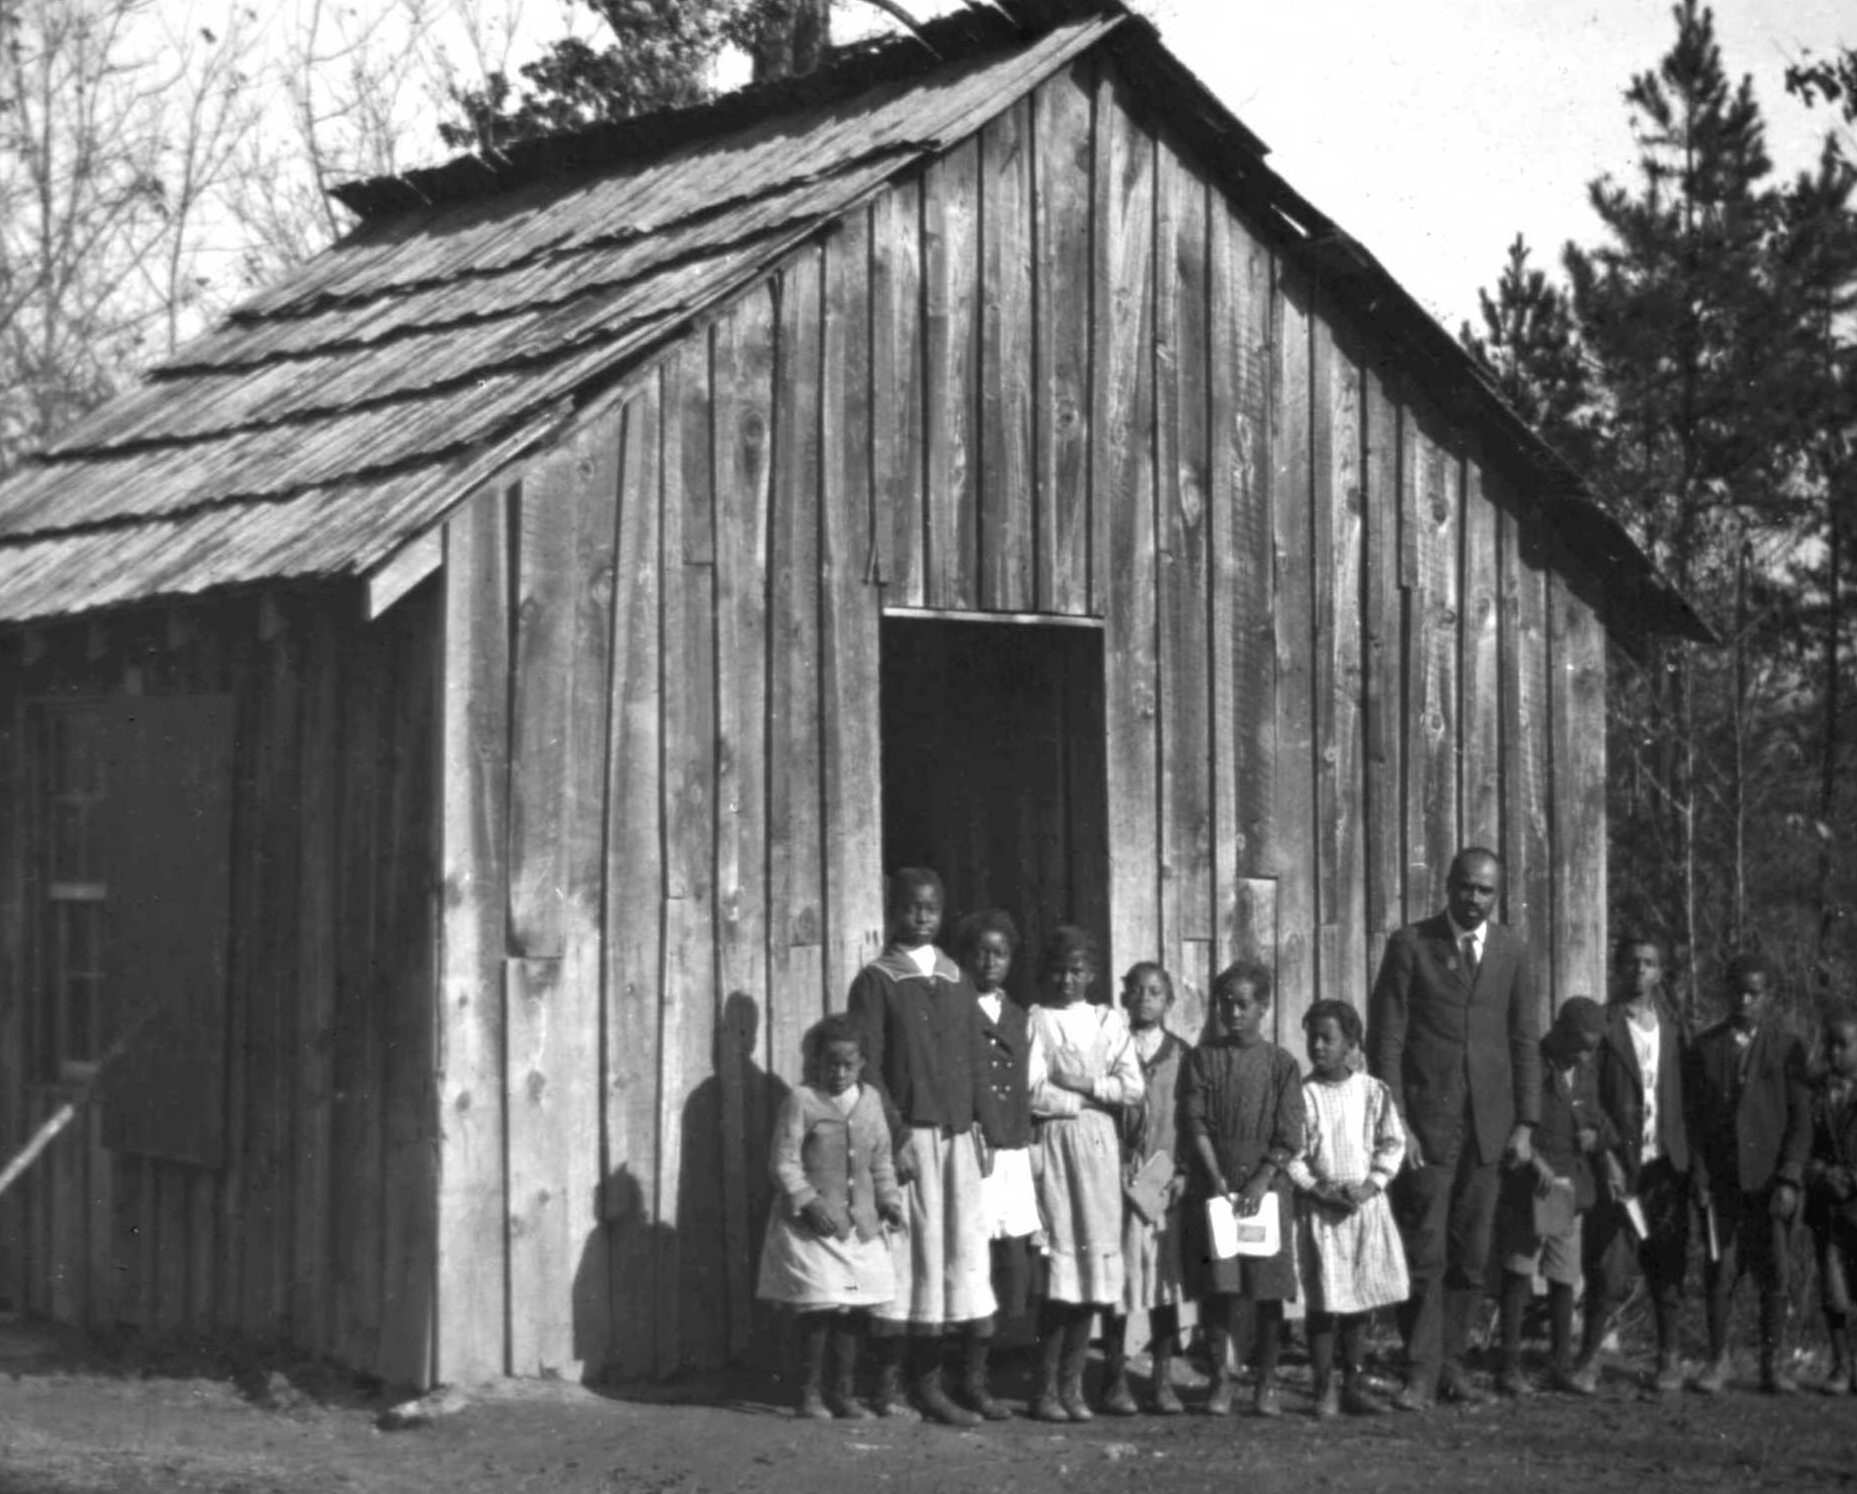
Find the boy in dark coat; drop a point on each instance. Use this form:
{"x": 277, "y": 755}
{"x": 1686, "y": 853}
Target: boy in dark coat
{"x": 1640, "y": 1072}
{"x": 1831, "y": 1191}
{"x": 1750, "y": 1121}
{"x": 1543, "y": 1203}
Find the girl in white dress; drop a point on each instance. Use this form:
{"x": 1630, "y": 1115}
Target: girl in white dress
{"x": 1352, "y": 1259}
{"x": 1083, "y": 1072}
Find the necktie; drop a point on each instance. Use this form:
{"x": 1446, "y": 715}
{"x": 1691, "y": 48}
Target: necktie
{"x": 1470, "y": 956}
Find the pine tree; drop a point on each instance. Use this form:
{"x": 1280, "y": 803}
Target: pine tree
{"x": 1530, "y": 350}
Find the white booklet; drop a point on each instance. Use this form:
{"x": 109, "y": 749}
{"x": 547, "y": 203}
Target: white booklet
{"x": 1239, "y": 1234}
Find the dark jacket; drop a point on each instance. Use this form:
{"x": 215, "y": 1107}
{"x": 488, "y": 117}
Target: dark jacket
{"x": 1439, "y": 1044}
{"x": 1008, "y": 1057}
{"x": 1834, "y": 1144}
{"x": 1749, "y": 1110}
{"x": 1154, "y": 1125}
{"x": 1565, "y": 1109}
{"x": 1621, "y": 1092}
{"x": 923, "y": 1043}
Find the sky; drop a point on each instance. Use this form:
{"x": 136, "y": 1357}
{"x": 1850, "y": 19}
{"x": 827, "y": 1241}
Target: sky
{"x": 1434, "y": 130}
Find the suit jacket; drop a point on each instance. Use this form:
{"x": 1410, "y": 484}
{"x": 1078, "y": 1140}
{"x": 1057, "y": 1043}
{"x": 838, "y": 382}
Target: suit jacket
{"x": 1834, "y": 1144}
{"x": 1752, "y": 1121}
{"x": 1621, "y": 1091}
{"x": 1440, "y": 1043}
{"x": 844, "y": 1160}
{"x": 1009, "y": 1057}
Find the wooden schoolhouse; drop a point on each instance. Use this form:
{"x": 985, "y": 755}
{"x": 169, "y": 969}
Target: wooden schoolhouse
{"x": 467, "y": 702}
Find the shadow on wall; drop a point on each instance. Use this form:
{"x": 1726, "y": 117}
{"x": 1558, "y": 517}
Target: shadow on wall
{"x": 666, "y": 1285}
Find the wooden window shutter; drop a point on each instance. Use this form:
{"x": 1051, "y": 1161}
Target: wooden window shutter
{"x": 168, "y": 851}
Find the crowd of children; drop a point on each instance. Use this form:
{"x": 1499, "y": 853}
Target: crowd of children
{"x": 953, "y": 1156}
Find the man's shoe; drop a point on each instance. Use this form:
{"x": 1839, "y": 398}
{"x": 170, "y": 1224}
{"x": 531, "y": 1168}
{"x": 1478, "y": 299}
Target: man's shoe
{"x": 1775, "y": 1381}
{"x": 1414, "y": 1398}
{"x": 1667, "y": 1378}
{"x": 1714, "y": 1377}
{"x": 1267, "y": 1402}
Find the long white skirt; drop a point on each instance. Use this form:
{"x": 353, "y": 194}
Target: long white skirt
{"x": 943, "y": 1268}
{"x": 805, "y": 1270}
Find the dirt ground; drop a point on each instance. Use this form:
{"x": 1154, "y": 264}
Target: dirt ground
{"x": 124, "y": 1418}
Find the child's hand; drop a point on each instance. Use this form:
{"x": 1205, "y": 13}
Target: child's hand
{"x": 1361, "y": 1192}
{"x": 905, "y": 1165}
{"x": 818, "y": 1218}
{"x": 1784, "y": 1203}
{"x": 1589, "y": 1138}
{"x": 1176, "y": 1187}
{"x": 1252, "y": 1194}
{"x": 891, "y": 1213}
{"x": 1838, "y": 1180}
{"x": 1544, "y": 1178}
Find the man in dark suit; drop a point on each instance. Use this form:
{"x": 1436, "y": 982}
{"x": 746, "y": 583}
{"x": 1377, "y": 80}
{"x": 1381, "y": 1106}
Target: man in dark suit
{"x": 1453, "y": 1032}
{"x": 1751, "y": 1122}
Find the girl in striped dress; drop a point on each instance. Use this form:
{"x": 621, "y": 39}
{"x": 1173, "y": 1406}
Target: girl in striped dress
{"x": 1352, "y": 1259}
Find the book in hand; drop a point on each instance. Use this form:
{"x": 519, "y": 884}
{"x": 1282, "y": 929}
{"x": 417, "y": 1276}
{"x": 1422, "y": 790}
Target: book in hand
{"x": 1244, "y": 1234}
{"x": 1146, "y": 1191}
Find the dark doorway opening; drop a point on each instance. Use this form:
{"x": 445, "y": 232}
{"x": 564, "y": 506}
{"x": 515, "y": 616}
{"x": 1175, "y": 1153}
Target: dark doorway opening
{"x": 994, "y": 773}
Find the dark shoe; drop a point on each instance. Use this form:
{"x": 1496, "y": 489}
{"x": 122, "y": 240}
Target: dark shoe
{"x": 812, "y": 1405}
{"x": 1076, "y": 1358}
{"x": 1775, "y": 1381}
{"x": 1714, "y": 1377}
{"x": 1267, "y": 1402}
{"x": 1219, "y": 1403}
{"x": 1356, "y": 1402}
{"x": 890, "y": 1402}
{"x": 1514, "y": 1384}
{"x": 1118, "y": 1399}
{"x": 1667, "y": 1378}
{"x": 1460, "y": 1390}
{"x": 1328, "y": 1402}
{"x": 1166, "y": 1400}
{"x": 936, "y": 1404}
{"x": 1049, "y": 1408}
{"x": 1585, "y": 1377}
{"x": 1839, "y": 1382}
{"x": 974, "y": 1383}
{"x": 1414, "y": 1398}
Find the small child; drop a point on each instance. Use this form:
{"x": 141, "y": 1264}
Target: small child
{"x": 1831, "y": 1192}
{"x": 1083, "y": 1072}
{"x": 1543, "y": 1201}
{"x": 824, "y": 1256}
{"x": 985, "y": 944}
{"x": 1150, "y": 1247}
{"x": 1352, "y": 1259}
{"x": 921, "y": 1025}
{"x": 1242, "y": 1110}
{"x": 1750, "y": 1122}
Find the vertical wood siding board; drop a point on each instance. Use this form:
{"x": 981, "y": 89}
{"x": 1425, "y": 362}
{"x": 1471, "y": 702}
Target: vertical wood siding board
{"x": 315, "y": 1012}
{"x": 1183, "y": 439}
{"x": 539, "y": 738}
{"x": 851, "y": 818}
{"x": 1576, "y": 693}
{"x": 690, "y": 1264}
{"x": 1125, "y": 432}
{"x": 898, "y": 455}
{"x": 1382, "y": 813}
{"x": 229, "y": 1309}
{"x": 1009, "y": 554}
{"x": 16, "y": 841}
{"x": 63, "y": 1163}
{"x": 474, "y": 818}
{"x": 744, "y": 373}
{"x": 1106, "y": 197}
{"x": 1293, "y": 508}
{"x": 202, "y": 1226}
{"x": 1480, "y": 812}
{"x": 538, "y": 1244}
{"x": 634, "y": 900}
{"x": 1063, "y": 131}
{"x": 1445, "y": 507}
{"x": 1326, "y": 440}
{"x": 99, "y": 1253}
{"x": 1420, "y": 700}
{"x": 1255, "y": 925}
{"x": 950, "y": 261}
{"x": 1254, "y": 688}
{"x": 1225, "y": 485}
{"x": 1343, "y": 901}
{"x": 1169, "y": 544}
{"x": 274, "y": 1053}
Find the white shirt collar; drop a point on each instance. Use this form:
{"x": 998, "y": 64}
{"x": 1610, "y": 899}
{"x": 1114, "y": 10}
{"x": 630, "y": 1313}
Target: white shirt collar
{"x": 922, "y": 957}
{"x": 1458, "y": 935}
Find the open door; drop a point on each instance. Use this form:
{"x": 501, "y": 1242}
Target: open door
{"x": 994, "y": 773}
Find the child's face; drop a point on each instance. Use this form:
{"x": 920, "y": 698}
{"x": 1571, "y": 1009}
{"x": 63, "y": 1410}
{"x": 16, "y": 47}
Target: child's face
{"x": 1329, "y": 1047}
{"x": 1070, "y": 982}
{"x": 918, "y": 917}
{"x": 1640, "y": 970}
{"x": 1580, "y": 1047}
{"x": 1241, "y": 1012}
{"x": 1146, "y": 999}
{"x": 1747, "y": 998}
{"x": 992, "y": 958}
{"x": 1841, "y": 1049}
{"x": 839, "y": 1067}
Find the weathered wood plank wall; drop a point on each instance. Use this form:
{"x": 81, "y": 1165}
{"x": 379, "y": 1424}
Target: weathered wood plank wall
{"x": 320, "y": 1226}
{"x": 1055, "y": 372}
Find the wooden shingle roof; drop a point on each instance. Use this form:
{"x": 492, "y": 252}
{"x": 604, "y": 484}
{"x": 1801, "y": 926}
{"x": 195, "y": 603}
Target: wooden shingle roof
{"x": 336, "y": 416}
